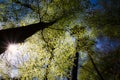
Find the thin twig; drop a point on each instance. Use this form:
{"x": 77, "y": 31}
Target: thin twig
{"x": 96, "y": 69}
{"x": 51, "y": 57}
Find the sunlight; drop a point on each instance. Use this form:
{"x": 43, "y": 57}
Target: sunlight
{"x": 12, "y": 47}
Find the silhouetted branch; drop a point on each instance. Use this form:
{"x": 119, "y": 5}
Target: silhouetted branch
{"x": 75, "y": 68}
{"x": 20, "y": 34}
{"x": 51, "y": 57}
{"x": 25, "y": 4}
{"x": 96, "y": 69}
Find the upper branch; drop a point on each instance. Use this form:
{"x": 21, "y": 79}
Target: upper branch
{"x": 32, "y": 7}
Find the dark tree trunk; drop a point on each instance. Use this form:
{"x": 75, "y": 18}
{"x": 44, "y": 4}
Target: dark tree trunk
{"x": 95, "y": 67}
{"x": 19, "y": 34}
{"x": 75, "y": 68}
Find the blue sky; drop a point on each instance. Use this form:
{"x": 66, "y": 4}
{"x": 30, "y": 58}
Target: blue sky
{"x": 105, "y": 44}
{"x": 93, "y": 1}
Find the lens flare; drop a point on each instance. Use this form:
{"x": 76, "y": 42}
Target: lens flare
{"x": 12, "y": 47}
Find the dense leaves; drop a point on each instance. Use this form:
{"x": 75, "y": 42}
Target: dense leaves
{"x": 50, "y": 54}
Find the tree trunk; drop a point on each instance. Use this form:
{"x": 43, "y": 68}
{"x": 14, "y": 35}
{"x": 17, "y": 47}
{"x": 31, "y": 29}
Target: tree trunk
{"x": 96, "y": 69}
{"x": 75, "y": 68}
{"x": 19, "y": 34}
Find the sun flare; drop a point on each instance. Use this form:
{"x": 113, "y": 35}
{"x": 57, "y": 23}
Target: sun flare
{"x": 12, "y": 47}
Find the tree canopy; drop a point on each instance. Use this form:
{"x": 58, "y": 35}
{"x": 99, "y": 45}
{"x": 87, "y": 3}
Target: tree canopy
{"x": 66, "y": 39}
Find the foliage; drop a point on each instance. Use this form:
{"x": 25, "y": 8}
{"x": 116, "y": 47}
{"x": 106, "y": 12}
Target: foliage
{"x": 107, "y": 64}
{"x": 50, "y": 53}
{"x": 105, "y": 22}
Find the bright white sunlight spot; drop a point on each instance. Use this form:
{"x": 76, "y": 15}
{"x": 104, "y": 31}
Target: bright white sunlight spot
{"x": 12, "y": 47}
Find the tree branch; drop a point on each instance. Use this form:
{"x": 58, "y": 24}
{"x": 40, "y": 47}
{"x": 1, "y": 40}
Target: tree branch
{"x": 50, "y": 59}
{"x": 75, "y": 68}
{"x": 96, "y": 69}
{"x": 20, "y": 34}
{"x": 32, "y": 7}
